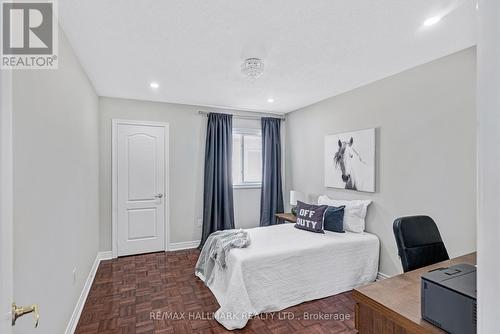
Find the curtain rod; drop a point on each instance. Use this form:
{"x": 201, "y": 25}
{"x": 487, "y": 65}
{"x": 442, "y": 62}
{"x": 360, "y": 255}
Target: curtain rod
{"x": 250, "y": 117}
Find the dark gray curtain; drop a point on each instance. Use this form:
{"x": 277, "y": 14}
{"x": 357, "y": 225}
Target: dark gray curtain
{"x": 218, "y": 210}
{"x": 271, "y": 196}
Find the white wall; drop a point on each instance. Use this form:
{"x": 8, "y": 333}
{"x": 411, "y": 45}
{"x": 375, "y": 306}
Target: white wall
{"x": 488, "y": 166}
{"x": 187, "y": 151}
{"x": 426, "y": 149}
{"x": 56, "y": 213}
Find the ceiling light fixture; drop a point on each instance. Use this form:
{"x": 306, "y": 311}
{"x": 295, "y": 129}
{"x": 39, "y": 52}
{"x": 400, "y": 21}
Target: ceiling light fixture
{"x": 270, "y": 100}
{"x": 154, "y": 85}
{"x": 432, "y": 21}
{"x": 252, "y": 67}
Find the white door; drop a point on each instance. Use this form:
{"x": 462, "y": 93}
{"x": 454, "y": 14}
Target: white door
{"x": 140, "y": 187}
{"x": 6, "y": 207}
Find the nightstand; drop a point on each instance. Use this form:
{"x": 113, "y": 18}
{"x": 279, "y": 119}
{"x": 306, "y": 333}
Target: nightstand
{"x": 286, "y": 217}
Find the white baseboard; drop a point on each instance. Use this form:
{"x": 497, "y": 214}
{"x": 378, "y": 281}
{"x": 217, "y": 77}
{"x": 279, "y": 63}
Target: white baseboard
{"x": 73, "y": 322}
{"x": 105, "y": 255}
{"x": 175, "y": 246}
{"x": 381, "y": 276}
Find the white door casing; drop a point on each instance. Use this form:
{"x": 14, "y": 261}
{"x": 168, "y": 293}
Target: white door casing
{"x": 140, "y": 183}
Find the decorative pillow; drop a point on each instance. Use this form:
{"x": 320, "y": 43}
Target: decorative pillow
{"x": 334, "y": 219}
{"x": 310, "y": 217}
{"x": 354, "y": 212}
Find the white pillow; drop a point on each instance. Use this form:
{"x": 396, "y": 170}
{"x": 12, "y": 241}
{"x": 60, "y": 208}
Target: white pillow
{"x": 354, "y": 212}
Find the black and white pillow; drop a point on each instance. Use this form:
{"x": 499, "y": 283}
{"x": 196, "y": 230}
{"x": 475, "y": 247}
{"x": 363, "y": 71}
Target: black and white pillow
{"x": 310, "y": 217}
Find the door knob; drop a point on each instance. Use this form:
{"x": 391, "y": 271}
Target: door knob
{"x": 159, "y": 196}
{"x": 19, "y": 311}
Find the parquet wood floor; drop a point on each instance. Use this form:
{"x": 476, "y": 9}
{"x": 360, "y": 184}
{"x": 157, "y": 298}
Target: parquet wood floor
{"x": 127, "y": 290}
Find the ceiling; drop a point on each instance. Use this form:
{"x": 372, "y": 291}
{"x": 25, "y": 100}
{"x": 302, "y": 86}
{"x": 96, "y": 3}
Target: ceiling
{"x": 311, "y": 49}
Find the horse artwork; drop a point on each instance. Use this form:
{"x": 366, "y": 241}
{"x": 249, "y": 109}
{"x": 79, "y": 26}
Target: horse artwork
{"x": 350, "y": 160}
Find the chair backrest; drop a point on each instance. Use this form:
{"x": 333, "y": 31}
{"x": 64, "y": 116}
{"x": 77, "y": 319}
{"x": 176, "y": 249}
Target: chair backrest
{"x": 419, "y": 242}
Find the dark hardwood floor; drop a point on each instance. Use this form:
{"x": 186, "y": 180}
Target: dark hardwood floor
{"x": 127, "y": 290}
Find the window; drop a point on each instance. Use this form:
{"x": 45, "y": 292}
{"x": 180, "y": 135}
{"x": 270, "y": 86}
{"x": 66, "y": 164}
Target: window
{"x": 247, "y": 158}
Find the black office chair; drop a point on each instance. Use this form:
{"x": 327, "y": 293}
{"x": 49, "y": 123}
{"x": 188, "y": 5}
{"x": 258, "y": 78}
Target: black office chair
{"x": 419, "y": 242}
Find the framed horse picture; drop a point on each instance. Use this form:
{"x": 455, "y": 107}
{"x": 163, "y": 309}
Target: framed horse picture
{"x": 350, "y": 160}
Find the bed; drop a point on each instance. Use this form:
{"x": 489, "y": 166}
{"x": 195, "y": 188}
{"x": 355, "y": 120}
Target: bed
{"x": 285, "y": 266}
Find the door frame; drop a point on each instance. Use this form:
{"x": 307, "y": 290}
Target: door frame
{"x": 6, "y": 202}
{"x": 114, "y": 180}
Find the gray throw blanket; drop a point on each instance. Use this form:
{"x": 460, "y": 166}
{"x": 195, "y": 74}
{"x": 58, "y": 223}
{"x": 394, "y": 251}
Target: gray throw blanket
{"x": 215, "y": 250}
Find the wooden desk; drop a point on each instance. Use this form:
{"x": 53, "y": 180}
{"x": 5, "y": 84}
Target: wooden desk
{"x": 286, "y": 217}
{"x": 393, "y": 305}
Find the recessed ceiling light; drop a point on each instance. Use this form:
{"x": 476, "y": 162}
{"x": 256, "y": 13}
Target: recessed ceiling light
{"x": 432, "y": 21}
{"x": 154, "y": 85}
{"x": 270, "y": 100}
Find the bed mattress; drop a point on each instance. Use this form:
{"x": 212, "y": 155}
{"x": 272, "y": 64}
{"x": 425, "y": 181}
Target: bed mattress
{"x": 285, "y": 266}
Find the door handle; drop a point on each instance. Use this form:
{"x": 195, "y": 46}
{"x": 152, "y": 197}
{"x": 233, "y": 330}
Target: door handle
{"x": 19, "y": 311}
{"x": 159, "y": 196}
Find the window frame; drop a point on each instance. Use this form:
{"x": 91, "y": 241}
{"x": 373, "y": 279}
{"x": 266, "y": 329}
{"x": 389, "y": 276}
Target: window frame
{"x": 247, "y": 132}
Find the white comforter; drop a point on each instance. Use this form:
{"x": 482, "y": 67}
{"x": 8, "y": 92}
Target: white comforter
{"x": 285, "y": 266}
